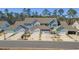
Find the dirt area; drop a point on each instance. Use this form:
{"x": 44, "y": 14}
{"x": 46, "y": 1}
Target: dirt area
{"x": 43, "y": 37}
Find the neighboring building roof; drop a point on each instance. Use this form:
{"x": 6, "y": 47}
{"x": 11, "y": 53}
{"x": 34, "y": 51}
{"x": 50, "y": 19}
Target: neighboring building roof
{"x": 67, "y": 27}
{"x": 70, "y": 28}
{"x": 63, "y": 23}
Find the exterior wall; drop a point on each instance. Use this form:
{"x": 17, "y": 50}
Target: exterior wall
{"x": 1, "y": 36}
{"x": 45, "y": 32}
{"x": 36, "y": 23}
{"x": 63, "y": 32}
{"x": 36, "y": 30}
{"x": 76, "y": 25}
{"x": 54, "y": 24}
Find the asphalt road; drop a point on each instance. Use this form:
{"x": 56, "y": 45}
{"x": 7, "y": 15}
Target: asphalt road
{"x": 39, "y": 44}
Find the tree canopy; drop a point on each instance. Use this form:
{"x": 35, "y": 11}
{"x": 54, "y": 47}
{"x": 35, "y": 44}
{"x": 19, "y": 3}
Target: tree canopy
{"x": 11, "y": 17}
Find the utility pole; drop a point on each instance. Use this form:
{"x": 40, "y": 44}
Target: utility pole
{"x": 76, "y": 35}
{"x": 40, "y": 35}
{"x": 4, "y": 36}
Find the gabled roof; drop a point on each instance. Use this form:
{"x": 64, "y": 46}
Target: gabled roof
{"x": 14, "y": 26}
{"x": 59, "y": 28}
{"x": 41, "y": 20}
{"x": 29, "y": 21}
{"x": 1, "y": 22}
{"x": 4, "y": 25}
{"x": 52, "y": 21}
{"x": 17, "y": 23}
{"x": 42, "y": 27}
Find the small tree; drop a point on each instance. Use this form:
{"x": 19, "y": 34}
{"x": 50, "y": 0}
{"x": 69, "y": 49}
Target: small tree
{"x": 55, "y": 13}
{"x": 71, "y": 14}
{"x": 61, "y": 11}
{"x": 35, "y": 14}
{"x": 45, "y": 12}
{"x": 22, "y": 16}
{"x": 1, "y": 14}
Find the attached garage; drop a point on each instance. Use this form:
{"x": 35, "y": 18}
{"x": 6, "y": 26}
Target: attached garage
{"x": 71, "y": 30}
